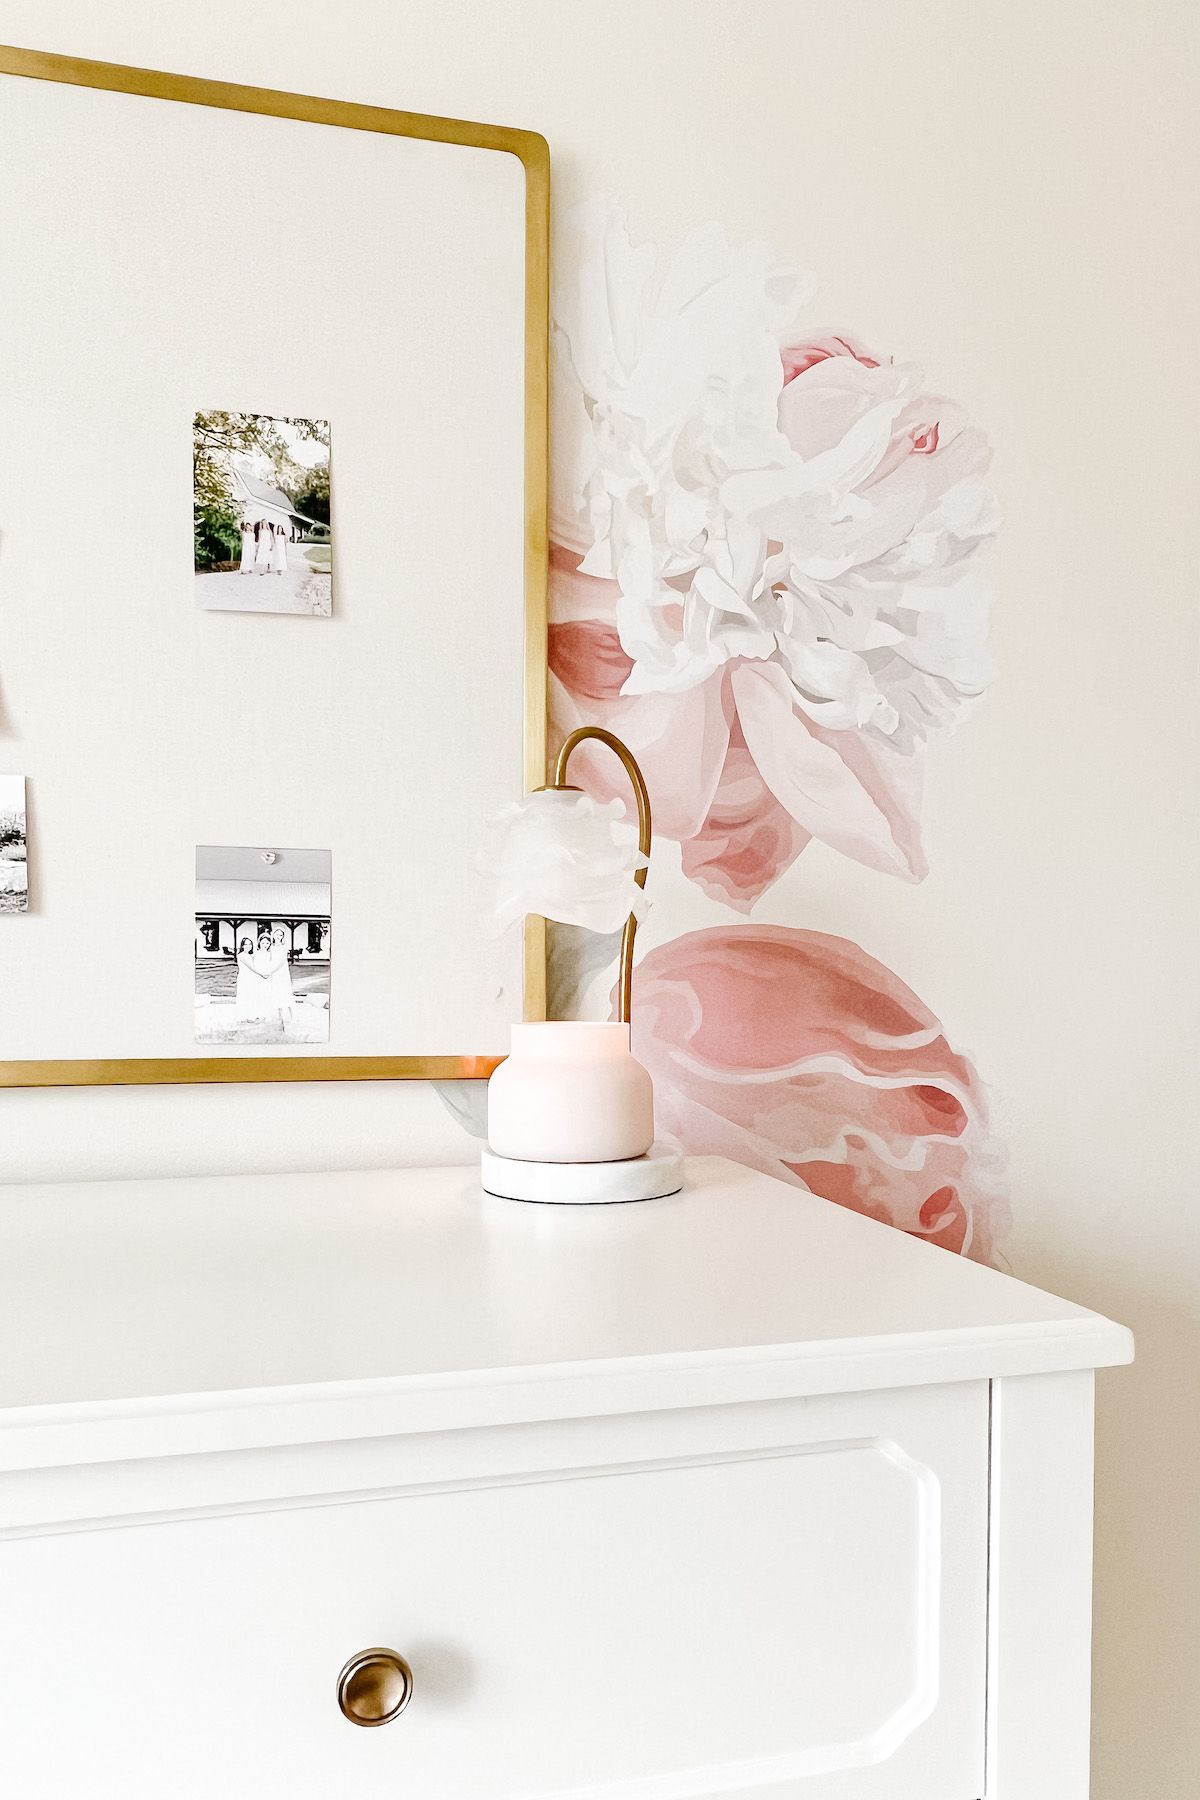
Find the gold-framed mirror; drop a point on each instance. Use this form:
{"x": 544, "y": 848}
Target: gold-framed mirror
{"x": 345, "y": 309}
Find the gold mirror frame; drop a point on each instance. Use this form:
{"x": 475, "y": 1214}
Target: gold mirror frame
{"x": 532, "y": 151}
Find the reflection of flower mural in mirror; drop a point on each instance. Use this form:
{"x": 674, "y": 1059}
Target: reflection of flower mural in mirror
{"x": 766, "y": 577}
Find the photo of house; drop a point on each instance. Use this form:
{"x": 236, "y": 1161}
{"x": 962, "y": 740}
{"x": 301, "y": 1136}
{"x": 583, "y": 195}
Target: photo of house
{"x": 261, "y": 513}
{"x": 261, "y": 946}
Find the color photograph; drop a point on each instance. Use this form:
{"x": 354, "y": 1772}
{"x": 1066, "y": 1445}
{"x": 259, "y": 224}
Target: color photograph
{"x": 261, "y": 513}
{"x": 262, "y": 945}
{"x": 14, "y": 864}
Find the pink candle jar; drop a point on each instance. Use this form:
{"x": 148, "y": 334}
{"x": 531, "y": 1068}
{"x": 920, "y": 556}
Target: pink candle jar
{"x": 570, "y": 1092}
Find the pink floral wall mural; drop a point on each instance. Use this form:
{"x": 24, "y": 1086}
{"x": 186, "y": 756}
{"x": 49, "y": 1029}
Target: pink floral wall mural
{"x": 766, "y": 577}
{"x": 798, "y": 1054}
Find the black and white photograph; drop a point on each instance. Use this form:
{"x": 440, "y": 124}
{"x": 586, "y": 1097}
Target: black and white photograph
{"x": 14, "y": 861}
{"x": 261, "y": 513}
{"x": 262, "y": 945}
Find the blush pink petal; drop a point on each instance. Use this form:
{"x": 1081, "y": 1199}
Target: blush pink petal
{"x": 821, "y": 778}
{"x": 588, "y": 659}
{"x": 799, "y": 357}
{"x": 679, "y": 740}
{"x": 747, "y": 840}
{"x": 798, "y": 1054}
{"x": 894, "y": 780}
{"x": 574, "y": 595}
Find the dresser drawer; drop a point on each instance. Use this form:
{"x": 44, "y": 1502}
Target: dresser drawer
{"x": 800, "y": 1615}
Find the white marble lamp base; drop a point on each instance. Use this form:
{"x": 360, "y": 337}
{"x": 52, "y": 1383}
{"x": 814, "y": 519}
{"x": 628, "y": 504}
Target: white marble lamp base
{"x": 649, "y": 1177}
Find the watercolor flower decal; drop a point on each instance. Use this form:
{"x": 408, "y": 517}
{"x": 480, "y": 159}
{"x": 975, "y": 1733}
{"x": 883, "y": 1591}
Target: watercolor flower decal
{"x": 765, "y": 571}
{"x": 800, "y": 1055}
{"x": 767, "y": 576}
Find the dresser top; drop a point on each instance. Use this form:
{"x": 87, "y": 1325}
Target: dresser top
{"x": 410, "y": 1300}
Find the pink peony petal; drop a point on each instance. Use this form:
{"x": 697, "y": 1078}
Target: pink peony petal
{"x": 747, "y": 840}
{"x": 798, "y": 1054}
{"x": 679, "y": 740}
{"x": 823, "y": 779}
{"x": 588, "y": 659}
{"x": 819, "y": 348}
{"x": 574, "y": 595}
{"x": 893, "y": 777}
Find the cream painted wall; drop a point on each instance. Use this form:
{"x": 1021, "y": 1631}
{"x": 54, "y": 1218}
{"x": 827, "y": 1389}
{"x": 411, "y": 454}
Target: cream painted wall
{"x": 1005, "y": 194}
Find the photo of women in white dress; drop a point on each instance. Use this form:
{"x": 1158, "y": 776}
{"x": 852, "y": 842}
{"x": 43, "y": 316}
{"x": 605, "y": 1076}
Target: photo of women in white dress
{"x": 263, "y": 991}
{"x": 278, "y": 975}
{"x": 250, "y": 992}
{"x": 264, "y": 538}
{"x": 261, "y": 951}
{"x": 261, "y": 501}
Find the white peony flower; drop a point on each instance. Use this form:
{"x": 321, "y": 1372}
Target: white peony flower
{"x": 564, "y": 855}
{"x": 765, "y": 495}
{"x": 880, "y": 604}
{"x": 667, "y": 388}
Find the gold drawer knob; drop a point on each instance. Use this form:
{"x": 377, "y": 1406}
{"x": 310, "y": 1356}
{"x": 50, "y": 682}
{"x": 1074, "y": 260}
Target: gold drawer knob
{"x": 374, "y": 1687}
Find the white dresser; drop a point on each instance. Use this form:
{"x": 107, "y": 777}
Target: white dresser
{"x": 734, "y": 1494}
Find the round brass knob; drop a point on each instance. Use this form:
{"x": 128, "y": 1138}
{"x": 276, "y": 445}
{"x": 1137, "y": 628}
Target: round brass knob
{"x": 374, "y": 1687}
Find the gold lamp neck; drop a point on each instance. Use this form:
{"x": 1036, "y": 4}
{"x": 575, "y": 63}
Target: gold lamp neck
{"x": 641, "y": 794}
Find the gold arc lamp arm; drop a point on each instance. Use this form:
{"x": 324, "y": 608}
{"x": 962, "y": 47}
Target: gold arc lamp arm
{"x": 628, "y": 762}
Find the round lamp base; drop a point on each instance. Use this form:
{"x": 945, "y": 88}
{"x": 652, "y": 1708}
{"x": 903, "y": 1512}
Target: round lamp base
{"x": 649, "y": 1177}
